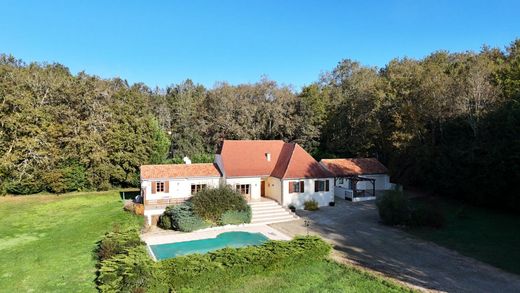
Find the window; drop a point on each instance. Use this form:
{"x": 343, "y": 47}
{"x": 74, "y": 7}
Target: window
{"x": 321, "y": 185}
{"x": 340, "y": 180}
{"x": 296, "y": 187}
{"x": 243, "y": 188}
{"x": 197, "y": 187}
{"x": 160, "y": 186}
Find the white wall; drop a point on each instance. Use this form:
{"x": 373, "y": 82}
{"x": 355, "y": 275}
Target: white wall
{"x": 297, "y": 199}
{"x": 273, "y": 189}
{"x": 382, "y": 182}
{"x": 179, "y": 187}
{"x": 253, "y": 181}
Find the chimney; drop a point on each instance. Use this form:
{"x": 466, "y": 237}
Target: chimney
{"x": 186, "y": 160}
{"x": 268, "y": 157}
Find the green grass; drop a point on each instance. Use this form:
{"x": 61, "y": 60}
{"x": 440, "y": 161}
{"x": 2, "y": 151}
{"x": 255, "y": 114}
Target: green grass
{"x": 319, "y": 276}
{"x": 47, "y": 241}
{"x": 47, "y": 244}
{"x": 487, "y": 235}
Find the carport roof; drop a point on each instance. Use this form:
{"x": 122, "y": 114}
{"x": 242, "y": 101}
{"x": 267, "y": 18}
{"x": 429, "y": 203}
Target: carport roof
{"x": 354, "y": 166}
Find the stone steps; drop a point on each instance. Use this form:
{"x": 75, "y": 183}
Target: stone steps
{"x": 269, "y": 211}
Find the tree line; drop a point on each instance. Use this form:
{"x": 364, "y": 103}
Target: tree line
{"x": 448, "y": 122}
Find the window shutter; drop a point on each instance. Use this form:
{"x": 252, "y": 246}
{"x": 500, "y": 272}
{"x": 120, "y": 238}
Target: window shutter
{"x": 154, "y": 187}
{"x": 167, "y": 186}
{"x": 316, "y": 185}
{"x": 302, "y": 187}
{"x": 327, "y": 185}
{"x": 291, "y": 187}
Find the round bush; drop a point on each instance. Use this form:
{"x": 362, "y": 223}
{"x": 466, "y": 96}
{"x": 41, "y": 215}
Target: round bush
{"x": 310, "y": 205}
{"x": 394, "y": 208}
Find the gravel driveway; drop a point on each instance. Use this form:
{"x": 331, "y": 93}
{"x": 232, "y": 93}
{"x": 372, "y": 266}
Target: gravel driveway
{"x": 355, "y": 232}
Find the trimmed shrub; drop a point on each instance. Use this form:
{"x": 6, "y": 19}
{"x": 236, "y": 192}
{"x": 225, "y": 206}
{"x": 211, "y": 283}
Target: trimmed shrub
{"x": 130, "y": 271}
{"x": 210, "y": 204}
{"x": 310, "y": 205}
{"x": 182, "y": 218}
{"x": 427, "y": 215}
{"x": 124, "y": 264}
{"x": 394, "y": 208}
{"x": 189, "y": 224}
{"x": 118, "y": 241}
{"x": 236, "y": 217}
{"x": 185, "y": 270}
{"x": 165, "y": 222}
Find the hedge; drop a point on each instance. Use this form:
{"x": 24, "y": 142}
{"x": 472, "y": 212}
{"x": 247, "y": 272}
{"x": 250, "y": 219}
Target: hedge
{"x": 124, "y": 265}
{"x": 396, "y": 209}
{"x": 131, "y": 269}
{"x": 184, "y": 270}
{"x": 236, "y": 217}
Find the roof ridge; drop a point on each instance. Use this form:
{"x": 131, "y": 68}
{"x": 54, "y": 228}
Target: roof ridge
{"x": 178, "y": 164}
{"x": 290, "y": 158}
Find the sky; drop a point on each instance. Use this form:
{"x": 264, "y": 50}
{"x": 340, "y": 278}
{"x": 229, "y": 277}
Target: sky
{"x": 292, "y": 42}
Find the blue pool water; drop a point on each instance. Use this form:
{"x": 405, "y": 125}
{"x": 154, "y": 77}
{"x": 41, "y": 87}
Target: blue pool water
{"x": 227, "y": 239}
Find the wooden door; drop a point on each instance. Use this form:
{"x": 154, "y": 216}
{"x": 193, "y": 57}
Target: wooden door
{"x": 262, "y": 188}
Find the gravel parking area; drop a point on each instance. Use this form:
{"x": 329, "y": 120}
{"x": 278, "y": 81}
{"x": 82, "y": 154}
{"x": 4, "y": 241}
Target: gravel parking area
{"x": 357, "y": 236}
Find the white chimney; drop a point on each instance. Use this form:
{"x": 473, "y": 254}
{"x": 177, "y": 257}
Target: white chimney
{"x": 186, "y": 160}
{"x": 268, "y": 157}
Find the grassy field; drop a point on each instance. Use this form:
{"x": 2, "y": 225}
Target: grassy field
{"x": 490, "y": 236}
{"x": 47, "y": 241}
{"x": 323, "y": 276}
{"x": 47, "y": 245}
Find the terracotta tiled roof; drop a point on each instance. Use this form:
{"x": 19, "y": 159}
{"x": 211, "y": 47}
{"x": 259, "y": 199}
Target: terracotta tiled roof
{"x": 355, "y": 166}
{"x": 241, "y": 158}
{"x": 303, "y": 165}
{"x": 179, "y": 171}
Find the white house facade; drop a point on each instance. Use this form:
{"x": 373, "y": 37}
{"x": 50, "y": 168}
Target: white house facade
{"x": 276, "y": 170}
{"x": 260, "y": 170}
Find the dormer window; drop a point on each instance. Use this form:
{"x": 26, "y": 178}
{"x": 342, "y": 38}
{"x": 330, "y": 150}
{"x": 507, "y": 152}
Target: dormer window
{"x": 268, "y": 157}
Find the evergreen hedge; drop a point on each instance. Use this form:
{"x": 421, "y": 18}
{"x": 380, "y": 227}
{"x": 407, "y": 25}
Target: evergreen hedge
{"x": 129, "y": 268}
{"x": 182, "y": 271}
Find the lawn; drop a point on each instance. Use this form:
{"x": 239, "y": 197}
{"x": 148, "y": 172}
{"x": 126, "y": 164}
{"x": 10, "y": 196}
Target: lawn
{"x": 47, "y": 245}
{"x": 321, "y": 276}
{"x": 47, "y": 241}
{"x": 487, "y": 235}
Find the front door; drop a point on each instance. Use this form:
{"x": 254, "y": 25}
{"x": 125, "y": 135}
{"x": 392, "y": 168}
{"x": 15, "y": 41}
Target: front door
{"x": 262, "y": 188}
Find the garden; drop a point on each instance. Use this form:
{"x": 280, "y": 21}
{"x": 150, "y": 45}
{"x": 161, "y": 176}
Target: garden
{"x": 85, "y": 242}
{"x": 208, "y": 208}
{"x": 302, "y": 264}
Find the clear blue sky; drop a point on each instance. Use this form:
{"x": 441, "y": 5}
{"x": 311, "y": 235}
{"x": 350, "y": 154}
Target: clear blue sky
{"x": 292, "y": 42}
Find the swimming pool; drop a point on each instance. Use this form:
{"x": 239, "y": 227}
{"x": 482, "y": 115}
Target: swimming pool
{"x": 226, "y": 239}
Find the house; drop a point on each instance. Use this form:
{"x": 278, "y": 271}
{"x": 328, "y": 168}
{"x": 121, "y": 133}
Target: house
{"x": 358, "y": 178}
{"x": 274, "y": 169}
{"x": 164, "y": 185}
{"x": 258, "y": 169}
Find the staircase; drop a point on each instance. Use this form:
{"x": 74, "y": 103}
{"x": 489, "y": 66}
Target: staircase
{"x": 268, "y": 211}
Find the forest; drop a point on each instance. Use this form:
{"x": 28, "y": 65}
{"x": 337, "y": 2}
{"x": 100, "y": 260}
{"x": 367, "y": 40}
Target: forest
{"x": 448, "y": 123}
